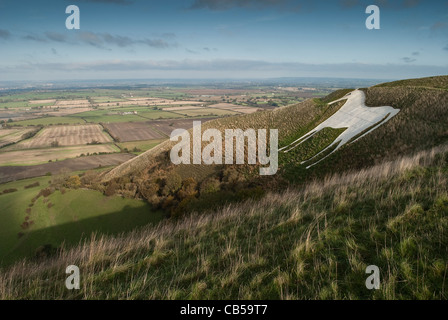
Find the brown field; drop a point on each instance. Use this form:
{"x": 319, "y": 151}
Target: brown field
{"x": 148, "y": 102}
{"x": 218, "y": 92}
{"x": 8, "y": 136}
{"x": 85, "y": 163}
{"x": 181, "y": 108}
{"x": 72, "y": 102}
{"x": 133, "y": 131}
{"x": 233, "y": 107}
{"x": 39, "y": 156}
{"x": 66, "y": 136}
{"x": 61, "y": 112}
{"x": 167, "y": 126}
{"x": 247, "y": 110}
{"x": 42, "y": 101}
{"x": 205, "y": 112}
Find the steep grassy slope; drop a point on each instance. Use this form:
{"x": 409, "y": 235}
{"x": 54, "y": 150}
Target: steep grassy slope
{"x": 37, "y": 215}
{"x": 291, "y": 121}
{"x": 310, "y": 243}
{"x": 420, "y": 124}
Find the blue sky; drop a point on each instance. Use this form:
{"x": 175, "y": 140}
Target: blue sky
{"x": 131, "y": 39}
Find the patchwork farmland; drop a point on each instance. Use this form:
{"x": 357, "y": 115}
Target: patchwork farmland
{"x": 8, "y": 136}
{"x": 167, "y": 126}
{"x": 66, "y": 136}
{"x": 135, "y": 131}
{"x": 39, "y": 156}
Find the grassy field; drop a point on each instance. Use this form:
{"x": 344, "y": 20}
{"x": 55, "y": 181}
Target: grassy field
{"x": 105, "y": 116}
{"x": 65, "y": 136}
{"x": 49, "y": 121}
{"x": 205, "y": 112}
{"x": 157, "y": 114}
{"x": 8, "y": 136}
{"x": 107, "y": 99}
{"x": 309, "y": 243}
{"x": 141, "y": 146}
{"x": 40, "y": 156}
{"x": 61, "y": 218}
{"x": 15, "y": 104}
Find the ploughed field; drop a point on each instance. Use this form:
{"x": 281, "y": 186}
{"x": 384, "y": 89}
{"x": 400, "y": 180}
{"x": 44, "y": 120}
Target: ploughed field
{"x": 66, "y": 136}
{"x": 167, "y": 126}
{"x": 126, "y": 131}
{"x": 8, "y": 136}
{"x": 38, "y": 156}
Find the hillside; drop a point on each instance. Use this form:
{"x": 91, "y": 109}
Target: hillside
{"x": 380, "y": 199}
{"x": 418, "y": 123}
{"x": 308, "y": 243}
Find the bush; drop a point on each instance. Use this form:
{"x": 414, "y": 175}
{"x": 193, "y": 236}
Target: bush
{"x": 36, "y": 184}
{"x": 73, "y": 182}
{"x": 209, "y": 185}
{"x": 189, "y": 189}
{"x": 111, "y": 188}
{"x": 9, "y": 190}
{"x": 172, "y": 183}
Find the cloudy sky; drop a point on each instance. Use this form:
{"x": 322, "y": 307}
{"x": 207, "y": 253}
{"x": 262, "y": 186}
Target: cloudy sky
{"x": 136, "y": 39}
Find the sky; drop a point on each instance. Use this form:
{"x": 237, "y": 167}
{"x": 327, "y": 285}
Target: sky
{"x": 222, "y": 39}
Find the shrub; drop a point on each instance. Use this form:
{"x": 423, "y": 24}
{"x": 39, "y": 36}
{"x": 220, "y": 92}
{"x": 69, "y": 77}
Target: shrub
{"x": 44, "y": 192}
{"x": 73, "y": 182}
{"x": 35, "y": 184}
{"x": 9, "y": 190}
{"x": 172, "y": 183}
{"x": 209, "y": 185}
{"x": 111, "y": 188}
{"x": 189, "y": 189}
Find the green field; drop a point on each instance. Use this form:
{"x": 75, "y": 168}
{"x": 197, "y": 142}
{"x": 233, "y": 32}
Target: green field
{"x": 205, "y": 112}
{"x": 72, "y": 215}
{"x": 143, "y": 112}
{"x": 15, "y": 104}
{"x": 49, "y": 121}
{"x": 97, "y": 116}
{"x": 157, "y": 114}
{"x": 107, "y": 99}
{"x": 143, "y": 145}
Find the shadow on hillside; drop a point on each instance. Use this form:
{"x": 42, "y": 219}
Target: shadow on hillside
{"x": 72, "y": 233}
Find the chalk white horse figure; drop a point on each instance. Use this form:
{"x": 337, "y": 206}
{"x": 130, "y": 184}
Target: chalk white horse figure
{"x": 353, "y": 115}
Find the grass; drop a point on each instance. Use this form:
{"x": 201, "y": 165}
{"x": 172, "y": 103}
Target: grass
{"x": 72, "y": 216}
{"x": 143, "y": 145}
{"x": 107, "y": 99}
{"x": 15, "y": 104}
{"x": 12, "y": 136}
{"x": 104, "y": 116}
{"x": 100, "y": 116}
{"x": 205, "y": 112}
{"x": 49, "y": 121}
{"x": 44, "y": 155}
{"x": 309, "y": 243}
{"x": 157, "y": 114}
